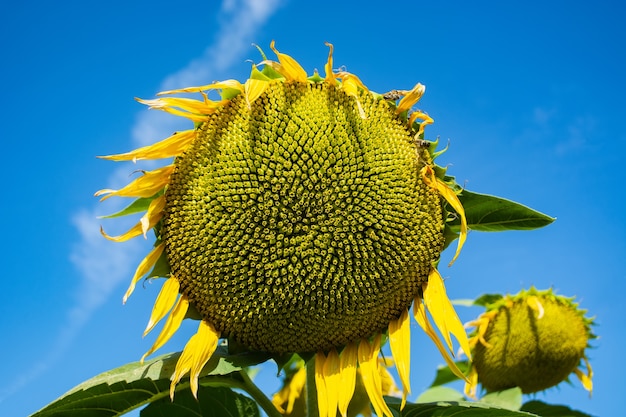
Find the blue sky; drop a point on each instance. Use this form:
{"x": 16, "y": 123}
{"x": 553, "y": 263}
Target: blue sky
{"x": 529, "y": 94}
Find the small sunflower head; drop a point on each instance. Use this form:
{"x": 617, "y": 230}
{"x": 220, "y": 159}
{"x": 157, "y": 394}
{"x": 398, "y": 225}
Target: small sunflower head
{"x": 532, "y": 340}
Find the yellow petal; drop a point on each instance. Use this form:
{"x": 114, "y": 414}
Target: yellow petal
{"x": 585, "y": 379}
{"x": 285, "y": 399}
{"x": 171, "y": 325}
{"x": 471, "y": 383}
{"x": 189, "y": 105}
{"x": 426, "y": 120}
{"x": 196, "y": 354}
{"x": 289, "y": 67}
{"x": 219, "y": 85}
{"x": 400, "y": 344}
{"x": 145, "y": 186}
{"x": 320, "y": 384}
{"x": 332, "y": 381}
{"x": 347, "y": 363}
{"x": 253, "y": 89}
{"x": 350, "y": 83}
{"x": 443, "y": 312}
{"x": 172, "y": 146}
{"x": 410, "y": 98}
{"x": 144, "y": 267}
{"x": 368, "y": 363}
{"x": 534, "y": 303}
{"x": 448, "y": 193}
{"x": 330, "y": 75}
{"x": 419, "y": 312}
{"x": 164, "y": 302}
{"x": 152, "y": 217}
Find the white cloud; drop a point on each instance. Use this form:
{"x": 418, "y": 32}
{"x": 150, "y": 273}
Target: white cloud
{"x": 104, "y": 265}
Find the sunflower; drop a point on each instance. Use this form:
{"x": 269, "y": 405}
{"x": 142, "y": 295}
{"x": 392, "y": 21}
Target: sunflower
{"x": 532, "y": 340}
{"x": 300, "y": 214}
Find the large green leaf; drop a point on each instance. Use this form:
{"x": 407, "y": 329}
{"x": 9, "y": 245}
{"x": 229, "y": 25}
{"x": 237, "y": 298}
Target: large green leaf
{"x": 511, "y": 399}
{"x": 445, "y": 374}
{"x": 453, "y": 409}
{"x": 487, "y": 213}
{"x": 120, "y": 390}
{"x": 211, "y": 402}
{"x": 549, "y": 410}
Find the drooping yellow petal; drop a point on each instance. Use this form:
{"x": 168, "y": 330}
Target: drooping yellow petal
{"x": 172, "y": 146}
{"x": 171, "y": 325}
{"x": 350, "y": 83}
{"x": 368, "y": 363}
{"x": 289, "y": 67}
{"x": 219, "y": 85}
{"x": 443, "y": 312}
{"x": 320, "y": 384}
{"x": 330, "y": 75}
{"x": 426, "y": 120}
{"x": 189, "y": 105}
{"x": 253, "y": 89}
{"x": 196, "y": 354}
{"x": 400, "y": 344}
{"x": 145, "y": 186}
{"x": 534, "y": 303}
{"x": 332, "y": 381}
{"x": 156, "y": 206}
{"x": 148, "y": 221}
{"x": 410, "y": 98}
{"x": 164, "y": 302}
{"x": 285, "y": 399}
{"x": 428, "y": 174}
{"x": 471, "y": 383}
{"x": 144, "y": 267}
{"x": 347, "y": 364}
{"x": 419, "y": 312}
{"x": 585, "y": 378}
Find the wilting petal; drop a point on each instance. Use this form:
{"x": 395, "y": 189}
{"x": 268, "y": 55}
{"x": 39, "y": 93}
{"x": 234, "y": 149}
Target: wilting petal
{"x": 320, "y": 384}
{"x": 147, "y": 185}
{"x": 285, "y": 399}
{"x": 347, "y": 363}
{"x": 220, "y": 85}
{"x": 426, "y": 120}
{"x": 419, "y": 312}
{"x": 164, "y": 302}
{"x": 400, "y": 344}
{"x": 471, "y": 383}
{"x": 410, "y": 98}
{"x": 330, "y": 75}
{"x": 368, "y": 363}
{"x": 172, "y": 146}
{"x": 448, "y": 193}
{"x": 350, "y": 83}
{"x": 156, "y": 206}
{"x": 289, "y": 67}
{"x": 585, "y": 379}
{"x": 144, "y": 267}
{"x": 171, "y": 325}
{"x": 443, "y": 313}
{"x": 196, "y": 354}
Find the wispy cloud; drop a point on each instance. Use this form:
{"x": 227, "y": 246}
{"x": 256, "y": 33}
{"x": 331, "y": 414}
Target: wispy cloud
{"x": 93, "y": 256}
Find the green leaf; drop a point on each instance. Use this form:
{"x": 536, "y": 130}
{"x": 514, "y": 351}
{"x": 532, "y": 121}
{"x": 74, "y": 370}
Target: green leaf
{"x": 452, "y": 409}
{"x": 549, "y": 410}
{"x": 137, "y": 206}
{"x": 445, "y": 375}
{"x": 120, "y": 390}
{"x": 211, "y": 402}
{"x": 511, "y": 399}
{"x": 439, "y": 394}
{"x": 488, "y": 213}
{"x": 487, "y": 299}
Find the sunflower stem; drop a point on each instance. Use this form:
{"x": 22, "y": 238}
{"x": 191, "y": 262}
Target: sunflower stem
{"x": 258, "y": 395}
{"x": 311, "y": 392}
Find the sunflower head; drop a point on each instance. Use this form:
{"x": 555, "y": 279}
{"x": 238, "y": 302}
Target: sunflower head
{"x": 300, "y": 214}
{"x": 532, "y": 340}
